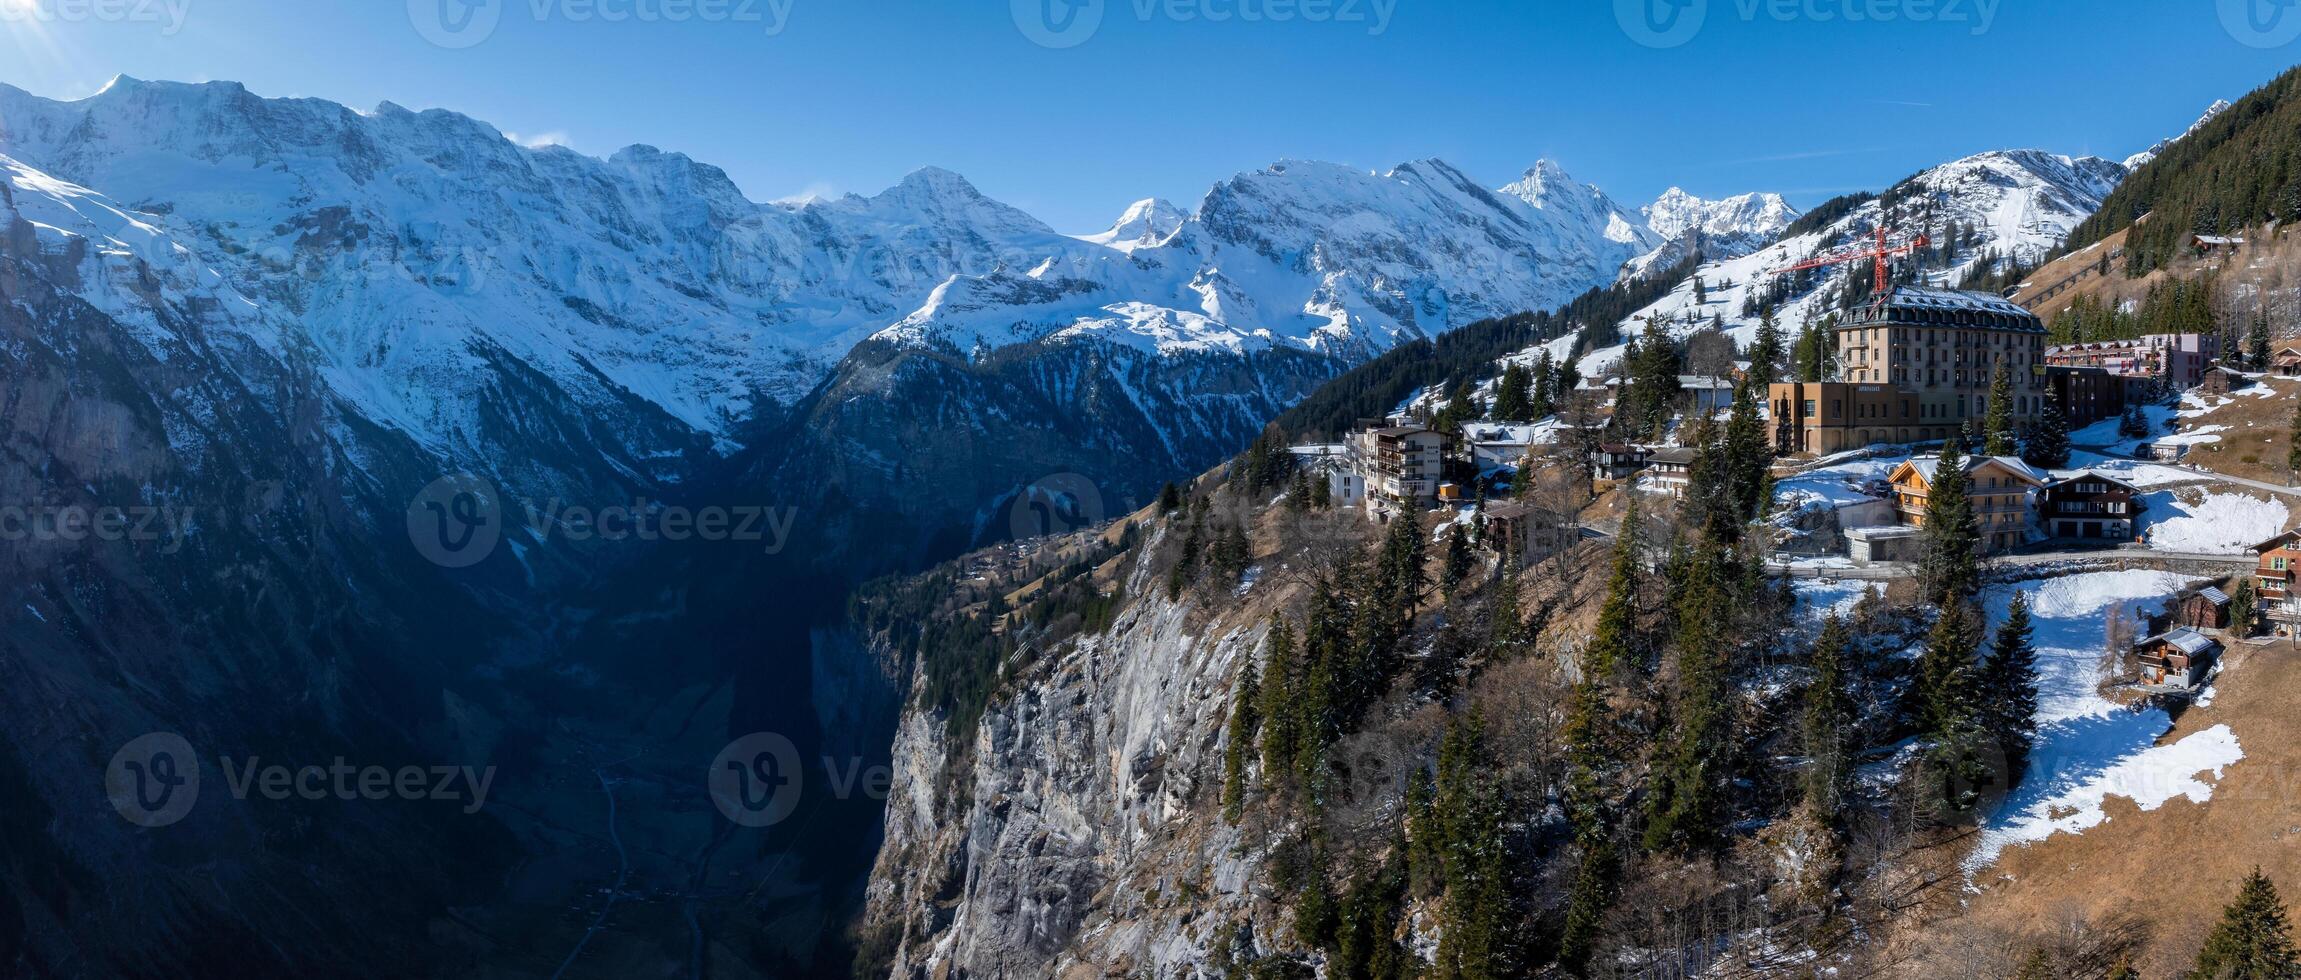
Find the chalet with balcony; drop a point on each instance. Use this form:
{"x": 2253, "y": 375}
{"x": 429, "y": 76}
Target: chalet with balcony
{"x": 2179, "y": 658}
{"x": 2090, "y": 507}
{"x": 1998, "y": 487}
{"x": 2276, "y": 561}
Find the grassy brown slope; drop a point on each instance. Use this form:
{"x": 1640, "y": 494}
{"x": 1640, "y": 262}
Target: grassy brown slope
{"x": 2173, "y": 867}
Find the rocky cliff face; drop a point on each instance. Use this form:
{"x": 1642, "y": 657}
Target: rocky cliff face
{"x": 1076, "y": 831}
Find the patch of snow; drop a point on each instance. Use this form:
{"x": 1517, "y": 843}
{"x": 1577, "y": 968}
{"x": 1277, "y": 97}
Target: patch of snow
{"x": 2197, "y": 522}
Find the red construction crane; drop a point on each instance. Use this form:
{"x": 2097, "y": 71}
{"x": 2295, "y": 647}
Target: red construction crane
{"x": 1879, "y": 253}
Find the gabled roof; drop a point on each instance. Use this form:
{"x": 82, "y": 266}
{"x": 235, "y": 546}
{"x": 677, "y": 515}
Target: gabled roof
{"x": 2213, "y": 595}
{"x": 1672, "y": 454}
{"x": 2184, "y": 639}
{"x": 2276, "y": 541}
{"x": 2093, "y": 475}
{"x": 1927, "y": 466}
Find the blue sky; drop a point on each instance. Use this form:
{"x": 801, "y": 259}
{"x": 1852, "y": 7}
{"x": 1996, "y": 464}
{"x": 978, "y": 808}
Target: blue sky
{"x": 1163, "y": 98}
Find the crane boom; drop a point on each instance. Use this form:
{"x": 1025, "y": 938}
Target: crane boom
{"x": 1878, "y": 253}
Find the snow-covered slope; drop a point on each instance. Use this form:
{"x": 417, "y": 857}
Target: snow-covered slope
{"x": 2141, "y": 159}
{"x": 2017, "y": 204}
{"x": 1308, "y": 256}
{"x": 398, "y": 237}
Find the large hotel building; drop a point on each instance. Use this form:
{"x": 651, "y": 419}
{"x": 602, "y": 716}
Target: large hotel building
{"x": 1915, "y": 368}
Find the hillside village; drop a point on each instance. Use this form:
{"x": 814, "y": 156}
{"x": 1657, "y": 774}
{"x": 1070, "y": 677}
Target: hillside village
{"x": 1905, "y": 634}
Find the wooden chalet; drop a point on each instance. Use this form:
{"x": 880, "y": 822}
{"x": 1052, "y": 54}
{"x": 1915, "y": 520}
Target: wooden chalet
{"x": 2275, "y": 562}
{"x": 2178, "y": 658}
{"x": 2286, "y": 363}
{"x": 2090, "y": 507}
{"x": 1998, "y": 486}
{"x": 2203, "y": 609}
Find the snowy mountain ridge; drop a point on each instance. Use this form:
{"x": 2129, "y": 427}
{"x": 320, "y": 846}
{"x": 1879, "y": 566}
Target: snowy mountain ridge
{"x": 2017, "y": 204}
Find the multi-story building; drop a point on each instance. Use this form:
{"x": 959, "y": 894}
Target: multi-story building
{"x": 2277, "y": 560}
{"x": 2182, "y": 358}
{"x": 2091, "y": 506}
{"x": 1399, "y": 466}
{"x": 1914, "y": 368}
{"x": 1997, "y": 488}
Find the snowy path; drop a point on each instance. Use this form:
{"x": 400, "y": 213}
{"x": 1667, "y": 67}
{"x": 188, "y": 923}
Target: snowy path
{"x": 2088, "y": 748}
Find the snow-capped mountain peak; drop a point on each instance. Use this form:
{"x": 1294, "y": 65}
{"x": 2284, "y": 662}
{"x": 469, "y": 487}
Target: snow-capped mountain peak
{"x": 1738, "y": 225}
{"x": 1146, "y": 223}
{"x": 2141, "y": 159}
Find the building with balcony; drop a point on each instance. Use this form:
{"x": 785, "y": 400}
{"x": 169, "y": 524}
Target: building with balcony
{"x": 2182, "y": 358}
{"x": 1997, "y": 487}
{"x": 2090, "y": 507}
{"x": 2275, "y": 563}
{"x": 1398, "y": 467}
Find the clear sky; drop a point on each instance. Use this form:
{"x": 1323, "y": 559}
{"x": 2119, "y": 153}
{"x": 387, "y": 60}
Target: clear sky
{"x": 1071, "y": 118}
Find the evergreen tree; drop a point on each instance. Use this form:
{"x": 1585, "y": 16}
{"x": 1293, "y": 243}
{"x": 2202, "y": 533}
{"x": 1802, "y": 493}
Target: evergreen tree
{"x": 1506, "y": 629}
{"x": 2045, "y": 442}
{"x": 2134, "y": 423}
{"x": 2254, "y": 940}
{"x": 1282, "y": 677}
{"x": 1458, "y": 562}
{"x": 1514, "y": 395}
{"x": 2242, "y": 601}
{"x": 1829, "y": 716}
{"x": 1950, "y": 570}
{"x": 2257, "y": 341}
{"x": 1612, "y": 647}
{"x": 1656, "y": 380}
{"x": 1948, "y": 707}
{"x": 1298, "y": 494}
{"x": 1688, "y": 808}
{"x": 2037, "y": 966}
{"x": 1766, "y": 350}
{"x": 1590, "y": 761}
{"x": 1997, "y": 422}
{"x": 1169, "y": 498}
{"x": 1546, "y": 390}
{"x": 1245, "y": 721}
{"x": 2009, "y": 672}
{"x": 1748, "y": 456}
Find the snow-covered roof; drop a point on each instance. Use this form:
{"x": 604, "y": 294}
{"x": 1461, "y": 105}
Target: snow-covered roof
{"x": 1927, "y": 466}
{"x": 1928, "y": 297}
{"x": 2184, "y": 639}
{"x": 2092, "y": 475}
{"x": 2214, "y": 596}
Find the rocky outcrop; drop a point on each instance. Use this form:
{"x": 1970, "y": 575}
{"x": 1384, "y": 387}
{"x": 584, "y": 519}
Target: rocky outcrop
{"x": 1075, "y": 831}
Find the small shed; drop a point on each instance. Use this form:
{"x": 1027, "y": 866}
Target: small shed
{"x": 2177, "y": 658}
{"x": 2205, "y": 609}
{"x": 1892, "y": 543}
